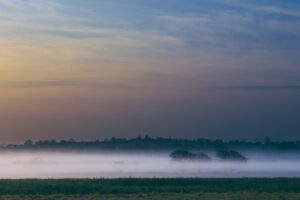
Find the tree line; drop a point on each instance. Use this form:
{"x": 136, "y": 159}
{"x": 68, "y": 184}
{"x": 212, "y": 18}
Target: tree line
{"x": 150, "y": 143}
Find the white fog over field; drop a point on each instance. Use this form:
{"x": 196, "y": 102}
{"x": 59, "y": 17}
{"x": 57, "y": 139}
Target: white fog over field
{"x": 114, "y": 165}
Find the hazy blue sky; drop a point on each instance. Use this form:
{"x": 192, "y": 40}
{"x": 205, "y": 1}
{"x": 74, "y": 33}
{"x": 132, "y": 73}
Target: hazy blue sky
{"x": 89, "y": 69}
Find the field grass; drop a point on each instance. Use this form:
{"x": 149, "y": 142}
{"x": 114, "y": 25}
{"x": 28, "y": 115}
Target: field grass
{"x": 144, "y": 189}
{"x": 165, "y": 196}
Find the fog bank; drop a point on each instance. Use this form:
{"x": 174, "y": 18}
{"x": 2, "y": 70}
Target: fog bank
{"x": 114, "y": 165}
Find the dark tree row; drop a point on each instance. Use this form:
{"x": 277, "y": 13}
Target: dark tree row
{"x": 149, "y": 143}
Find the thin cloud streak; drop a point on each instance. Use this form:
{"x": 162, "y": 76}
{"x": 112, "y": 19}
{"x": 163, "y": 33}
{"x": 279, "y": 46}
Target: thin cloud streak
{"x": 263, "y": 87}
{"x": 62, "y": 83}
{"x": 264, "y": 8}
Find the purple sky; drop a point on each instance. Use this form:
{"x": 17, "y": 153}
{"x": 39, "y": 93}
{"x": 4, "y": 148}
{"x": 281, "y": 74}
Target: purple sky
{"x": 89, "y": 69}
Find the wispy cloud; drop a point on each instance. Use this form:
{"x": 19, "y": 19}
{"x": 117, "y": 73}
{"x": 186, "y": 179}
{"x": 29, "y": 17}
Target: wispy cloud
{"x": 264, "y": 8}
{"x": 63, "y": 83}
{"x": 262, "y": 87}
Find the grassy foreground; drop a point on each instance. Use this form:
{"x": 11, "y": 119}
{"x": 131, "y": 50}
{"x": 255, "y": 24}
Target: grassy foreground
{"x": 142, "y": 189}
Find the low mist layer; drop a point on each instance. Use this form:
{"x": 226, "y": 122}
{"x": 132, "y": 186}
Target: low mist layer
{"x": 114, "y": 165}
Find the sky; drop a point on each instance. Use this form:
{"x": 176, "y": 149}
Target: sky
{"x": 94, "y": 69}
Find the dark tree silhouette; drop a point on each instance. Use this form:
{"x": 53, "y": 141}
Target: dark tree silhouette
{"x": 186, "y": 155}
{"x": 159, "y": 143}
{"x": 230, "y": 155}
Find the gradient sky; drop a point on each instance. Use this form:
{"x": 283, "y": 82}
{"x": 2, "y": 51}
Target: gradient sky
{"x": 88, "y": 69}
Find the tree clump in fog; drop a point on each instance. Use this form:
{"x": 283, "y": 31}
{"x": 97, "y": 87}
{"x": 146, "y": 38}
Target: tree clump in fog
{"x": 187, "y": 155}
{"x": 230, "y": 155}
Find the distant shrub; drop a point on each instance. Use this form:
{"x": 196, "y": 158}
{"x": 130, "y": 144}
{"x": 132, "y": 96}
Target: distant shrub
{"x": 187, "y": 155}
{"x": 230, "y": 155}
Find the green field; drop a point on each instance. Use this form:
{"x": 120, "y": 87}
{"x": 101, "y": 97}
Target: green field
{"x": 142, "y": 189}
